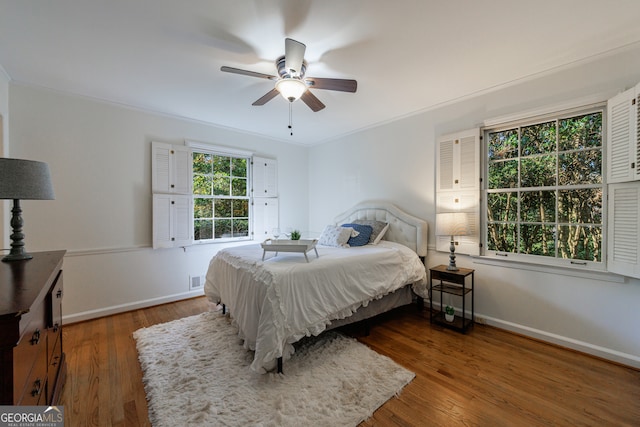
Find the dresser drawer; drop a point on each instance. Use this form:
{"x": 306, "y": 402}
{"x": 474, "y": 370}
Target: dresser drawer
{"x": 54, "y": 347}
{"x": 54, "y": 303}
{"x": 34, "y": 392}
{"x": 32, "y": 345}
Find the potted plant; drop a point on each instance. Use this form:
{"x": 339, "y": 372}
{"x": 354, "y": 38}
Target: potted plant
{"x": 449, "y": 313}
{"x": 295, "y": 235}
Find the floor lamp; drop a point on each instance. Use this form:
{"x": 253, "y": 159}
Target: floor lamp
{"x": 22, "y": 180}
{"x": 452, "y": 224}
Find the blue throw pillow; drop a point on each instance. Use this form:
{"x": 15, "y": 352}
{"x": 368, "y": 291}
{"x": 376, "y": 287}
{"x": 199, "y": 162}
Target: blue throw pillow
{"x": 364, "y": 234}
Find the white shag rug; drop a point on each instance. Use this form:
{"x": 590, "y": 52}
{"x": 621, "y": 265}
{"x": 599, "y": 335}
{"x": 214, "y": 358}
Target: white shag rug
{"x": 196, "y": 372}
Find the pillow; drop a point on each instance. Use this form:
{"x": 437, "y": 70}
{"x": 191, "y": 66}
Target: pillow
{"x": 334, "y": 235}
{"x": 379, "y": 229}
{"x": 364, "y": 233}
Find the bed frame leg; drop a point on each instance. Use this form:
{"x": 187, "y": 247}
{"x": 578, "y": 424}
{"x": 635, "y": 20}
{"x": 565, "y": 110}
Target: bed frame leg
{"x": 224, "y": 309}
{"x": 279, "y": 365}
{"x": 420, "y": 303}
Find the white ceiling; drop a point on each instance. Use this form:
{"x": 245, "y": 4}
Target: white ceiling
{"x": 407, "y": 56}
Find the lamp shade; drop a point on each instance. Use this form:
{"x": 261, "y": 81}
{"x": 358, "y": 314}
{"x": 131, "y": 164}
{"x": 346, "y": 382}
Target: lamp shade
{"x": 25, "y": 180}
{"x": 291, "y": 89}
{"x": 452, "y": 224}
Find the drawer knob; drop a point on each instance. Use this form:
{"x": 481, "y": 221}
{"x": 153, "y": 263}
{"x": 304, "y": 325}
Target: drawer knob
{"x": 35, "y": 338}
{"x": 37, "y": 387}
{"x": 56, "y": 327}
{"x": 59, "y": 293}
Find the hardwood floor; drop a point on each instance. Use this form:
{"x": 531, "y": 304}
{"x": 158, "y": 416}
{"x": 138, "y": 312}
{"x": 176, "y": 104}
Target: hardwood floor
{"x": 488, "y": 377}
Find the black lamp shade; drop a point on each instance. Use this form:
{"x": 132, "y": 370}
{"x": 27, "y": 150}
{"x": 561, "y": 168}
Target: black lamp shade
{"x": 25, "y": 180}
{"x": 22, "y": 180}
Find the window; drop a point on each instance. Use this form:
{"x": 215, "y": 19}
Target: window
{"x": 220, "y": 196}
{"x": 544, "y": 189}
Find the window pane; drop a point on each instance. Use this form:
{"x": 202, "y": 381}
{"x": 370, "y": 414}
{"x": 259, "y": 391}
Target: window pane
{"x": 538, "y": 206}
{"x": 202, "y": 184}
{"x": 202, "y": 163}
{"x": 502, "y": 206}
{"x": 240, "y": 227}
{"x": 580, "y": 242}
{"x": 538, "y": 171}
{"x": 221, "y": 186}
{"x": 222, "y": 165}
{"x": 538, "y": 139}
{"x": 582, "y": 206}
{"x": 238, "y": 187}
{"x": 503, "y": 174}
{"x": 536, "y": 239}
{"x": 202, "y": 208}
{"x": 240, "y": 208}
{"x": 503, "y": 145}
{"x": 580, "y": 132}
{"x": 502, "y": 237}
{"x": 203, "y": 229}
{"x": 222, "y": 208}
{"x": 556, "y": 215}
{"x": 239, "y": 167}
{"x": 222, "y": 228}
{"x": 580, "y": 167}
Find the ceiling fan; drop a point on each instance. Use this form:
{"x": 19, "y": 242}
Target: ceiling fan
{"x": 291, "y": 82}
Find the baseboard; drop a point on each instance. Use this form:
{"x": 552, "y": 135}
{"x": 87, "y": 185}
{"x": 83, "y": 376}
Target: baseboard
{"x": 581, "y": 346}
{"x": 108, "y": 311}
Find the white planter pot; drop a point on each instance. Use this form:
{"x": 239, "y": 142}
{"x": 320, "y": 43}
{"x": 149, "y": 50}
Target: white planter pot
{"x": 449, "y": 317}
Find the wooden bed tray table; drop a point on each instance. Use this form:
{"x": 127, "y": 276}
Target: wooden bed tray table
{"x": 283, "y": 245}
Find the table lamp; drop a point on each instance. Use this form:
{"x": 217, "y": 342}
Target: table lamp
{"x": 22, "y": 180}
{"x": 452, "y": 224}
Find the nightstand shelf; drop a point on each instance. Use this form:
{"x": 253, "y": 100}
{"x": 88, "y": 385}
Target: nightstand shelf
{"x": 452, "y": 283}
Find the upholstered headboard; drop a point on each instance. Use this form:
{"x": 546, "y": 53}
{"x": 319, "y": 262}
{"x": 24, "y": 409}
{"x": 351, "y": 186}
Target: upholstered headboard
{"x": 405, "y": 229}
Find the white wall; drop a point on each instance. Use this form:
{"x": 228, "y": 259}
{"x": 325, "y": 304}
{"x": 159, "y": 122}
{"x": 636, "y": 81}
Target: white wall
{"x": 396, "y": 162}
{"x": 4, "y": 145}
{"x": 100, "y": 160}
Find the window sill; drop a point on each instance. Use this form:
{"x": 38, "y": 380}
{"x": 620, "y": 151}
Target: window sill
{"x": 564, "y": 271}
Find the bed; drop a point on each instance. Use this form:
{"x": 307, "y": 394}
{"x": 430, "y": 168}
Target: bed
{"x": 276, "y": 302}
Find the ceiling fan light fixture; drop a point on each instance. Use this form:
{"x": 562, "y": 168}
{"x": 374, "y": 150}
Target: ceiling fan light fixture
{"x": 291, "y": 89}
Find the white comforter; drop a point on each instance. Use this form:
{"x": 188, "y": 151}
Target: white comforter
{"x": 276, "y": 302}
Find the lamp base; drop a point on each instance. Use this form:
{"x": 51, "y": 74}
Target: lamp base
{"x": 17, "y": 252}
{"x": 452, "y": 256}
{"x": 17, "y": 257}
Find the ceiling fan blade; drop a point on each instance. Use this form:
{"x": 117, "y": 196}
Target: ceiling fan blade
{"x": 247, "y": 73}
{"x": 310, "y": 99}
{"x": 293, "y": 54}
{"x": 267, "y": 97}
{"x": 343, "y": 85}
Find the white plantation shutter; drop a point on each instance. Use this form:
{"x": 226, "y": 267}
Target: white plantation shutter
{"x": 183, "y": 220}
{"x": 162, "y": 221}
{"x": 265, "y": 193}
{"x": 160, "y": 154}
{"x": 458, "y": 186}
{"x": 265, "y": 214}
{"x": 623, "y": 137}
{"x": 445, "y": 164}
{"x": 464, "y": 201}
{"x": 172, "y": 220}
{"x": 171, "y": 168}
{"x": 624, "y": 226}
{"x": 469, "y": 161}
{"x": 637, "y": 133}
{"x": 265, "y": 177}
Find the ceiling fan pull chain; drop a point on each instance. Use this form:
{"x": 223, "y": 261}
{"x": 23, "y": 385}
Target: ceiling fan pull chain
{"x": 291, "y": 118}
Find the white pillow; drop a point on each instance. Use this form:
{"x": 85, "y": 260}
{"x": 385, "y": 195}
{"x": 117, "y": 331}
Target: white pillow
{"x": 379, "y": 229}
{"x": 334, "y": 235}
{"x": 381, "y": 234}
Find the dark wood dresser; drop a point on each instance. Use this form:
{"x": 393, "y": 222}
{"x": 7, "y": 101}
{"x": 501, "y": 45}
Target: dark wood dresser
{"x": 32, "y": 363}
